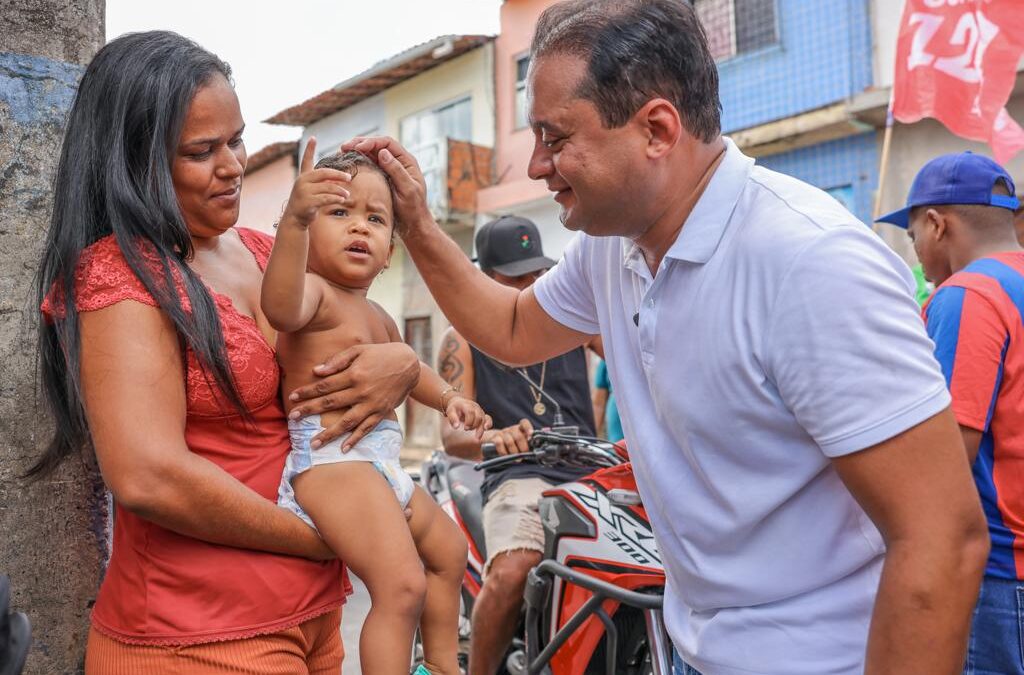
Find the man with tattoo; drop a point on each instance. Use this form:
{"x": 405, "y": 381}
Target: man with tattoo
{"x": 509, "y": 251}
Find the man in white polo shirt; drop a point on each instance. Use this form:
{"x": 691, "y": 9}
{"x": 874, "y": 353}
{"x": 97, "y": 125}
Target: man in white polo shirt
{"x": 786, "y": 419}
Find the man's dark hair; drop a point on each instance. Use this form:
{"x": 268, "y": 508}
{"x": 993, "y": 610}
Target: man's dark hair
{"x": 636, "y": 50}
{"x": 980, "y": 217}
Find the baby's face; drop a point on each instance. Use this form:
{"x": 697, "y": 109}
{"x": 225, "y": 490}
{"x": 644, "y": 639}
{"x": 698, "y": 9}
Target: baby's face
{"x": 350, "y": 245}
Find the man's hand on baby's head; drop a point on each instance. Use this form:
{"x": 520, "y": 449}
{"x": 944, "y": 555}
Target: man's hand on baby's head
{"x": 313, "y": 190}
{"x": 464, "y": 413}
{"x": 410, "y": 189}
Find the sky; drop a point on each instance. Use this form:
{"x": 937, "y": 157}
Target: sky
{"x": 285, "y": 52}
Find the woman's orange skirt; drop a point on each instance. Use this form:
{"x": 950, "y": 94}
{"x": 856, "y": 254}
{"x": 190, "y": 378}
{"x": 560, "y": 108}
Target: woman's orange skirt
{"x": 311, "y": 648}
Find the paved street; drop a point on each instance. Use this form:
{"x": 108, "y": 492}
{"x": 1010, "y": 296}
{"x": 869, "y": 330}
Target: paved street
{"x": 351, "y": 622}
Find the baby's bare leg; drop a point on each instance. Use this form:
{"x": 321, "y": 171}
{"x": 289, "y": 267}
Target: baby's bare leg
{"x": 358, "y": 516}
{"x": 443, "y": 550}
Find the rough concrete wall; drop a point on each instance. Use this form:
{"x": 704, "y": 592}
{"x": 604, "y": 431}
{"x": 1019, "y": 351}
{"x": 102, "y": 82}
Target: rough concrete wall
{"x": 53, "y": 536}
{"x": 68, "y": 31}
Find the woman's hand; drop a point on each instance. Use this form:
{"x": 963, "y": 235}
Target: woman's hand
{"x": 367, "y": 381}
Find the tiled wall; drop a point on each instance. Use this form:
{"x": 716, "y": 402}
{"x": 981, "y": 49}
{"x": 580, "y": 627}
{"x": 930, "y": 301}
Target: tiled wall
{"x": 823, "y": 56}
{"x": 833, "y": 166}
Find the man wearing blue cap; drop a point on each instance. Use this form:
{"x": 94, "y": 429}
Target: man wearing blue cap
{"x": 960, "y": 216}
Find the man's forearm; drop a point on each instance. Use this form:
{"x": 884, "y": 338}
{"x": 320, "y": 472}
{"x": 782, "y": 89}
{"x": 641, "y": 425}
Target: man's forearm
{"x": 462, "y": 291}
{"x": 921, "y": 620}
{"x": 196, "y": 498}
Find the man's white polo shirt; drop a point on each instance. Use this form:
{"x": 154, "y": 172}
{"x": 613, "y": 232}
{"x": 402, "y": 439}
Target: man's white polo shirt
{"x": 778, "y": 332}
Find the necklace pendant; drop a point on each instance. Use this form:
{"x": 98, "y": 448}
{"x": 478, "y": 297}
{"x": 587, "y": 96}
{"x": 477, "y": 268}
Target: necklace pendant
{"x": 539, "y": 408}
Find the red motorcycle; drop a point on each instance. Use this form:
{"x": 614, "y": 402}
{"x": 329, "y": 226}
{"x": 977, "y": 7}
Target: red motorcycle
{"x": 593, "y": 605}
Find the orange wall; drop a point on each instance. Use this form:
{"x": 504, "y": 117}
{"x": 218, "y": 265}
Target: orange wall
{"x": 264, "y": 193}
{"x": 513, "y": 147}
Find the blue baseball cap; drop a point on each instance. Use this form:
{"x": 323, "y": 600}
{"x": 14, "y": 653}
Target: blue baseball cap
{"x": 961, "y": 178}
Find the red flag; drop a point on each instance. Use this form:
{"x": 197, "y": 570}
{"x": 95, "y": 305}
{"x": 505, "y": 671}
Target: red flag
{"x": 956, "y": 61}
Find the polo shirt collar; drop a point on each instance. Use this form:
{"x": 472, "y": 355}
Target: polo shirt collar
{"x": 705, "y": 226}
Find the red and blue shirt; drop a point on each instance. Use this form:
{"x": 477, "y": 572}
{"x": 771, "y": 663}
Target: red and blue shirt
{"x": 976, "y": 319}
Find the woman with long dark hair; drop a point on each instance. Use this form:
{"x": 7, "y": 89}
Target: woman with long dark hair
{"x": 155, "y": 354}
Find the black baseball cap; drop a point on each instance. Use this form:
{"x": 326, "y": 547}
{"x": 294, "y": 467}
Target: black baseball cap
{"x": 511, "y": 246}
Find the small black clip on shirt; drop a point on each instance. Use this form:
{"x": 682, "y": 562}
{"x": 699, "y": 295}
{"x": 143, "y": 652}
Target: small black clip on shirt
{"x": 636, "y": 319}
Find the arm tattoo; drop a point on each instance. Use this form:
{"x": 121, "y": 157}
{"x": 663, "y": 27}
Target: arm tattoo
{"x": 449, "y": 364}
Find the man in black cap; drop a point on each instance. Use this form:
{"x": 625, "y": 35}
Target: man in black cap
{"x": 509, "y": 251}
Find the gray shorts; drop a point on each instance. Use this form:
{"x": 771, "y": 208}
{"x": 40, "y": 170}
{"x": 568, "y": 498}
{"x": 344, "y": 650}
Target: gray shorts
{"x": 511, "y": 518}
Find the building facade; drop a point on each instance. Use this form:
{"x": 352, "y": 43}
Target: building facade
{"x": 804, "y": 89}
{"x": 437, "y": 99}
{"x": 789, "y": 71}
{"x": 513, "y": 192}
{"x": 269, "y": 176}
{"x": 913, "y": 145}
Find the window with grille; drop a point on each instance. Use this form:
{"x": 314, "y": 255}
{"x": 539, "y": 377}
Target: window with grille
{"x": 452, "y": 120}
{"x": 425, "y": 135}
{"x": 522, "y": 65}
{"x": 735, "y": 27}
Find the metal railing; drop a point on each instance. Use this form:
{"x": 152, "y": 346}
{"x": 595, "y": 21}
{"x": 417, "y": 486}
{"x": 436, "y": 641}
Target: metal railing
{"x": 538, "y": 587}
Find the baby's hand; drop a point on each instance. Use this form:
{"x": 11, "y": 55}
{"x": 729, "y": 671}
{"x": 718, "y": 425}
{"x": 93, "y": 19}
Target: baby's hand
{"x": 314, "y": 189}
{"x": 464, "y": 413}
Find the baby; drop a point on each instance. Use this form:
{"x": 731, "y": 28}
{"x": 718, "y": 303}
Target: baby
{"x": 334, "y": 239}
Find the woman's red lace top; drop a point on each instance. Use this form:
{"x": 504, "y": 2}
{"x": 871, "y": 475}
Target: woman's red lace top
{"x": 165, "y": 588}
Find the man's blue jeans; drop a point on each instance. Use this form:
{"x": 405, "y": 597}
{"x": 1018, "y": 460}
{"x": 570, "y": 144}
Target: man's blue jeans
{"x": 996, "y": 630}
{"x": 680, "y": 668}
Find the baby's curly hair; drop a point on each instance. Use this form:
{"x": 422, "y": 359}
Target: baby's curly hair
{"x": 352, "y": 162}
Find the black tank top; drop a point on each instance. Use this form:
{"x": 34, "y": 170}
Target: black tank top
{"x": 508, "y": 398}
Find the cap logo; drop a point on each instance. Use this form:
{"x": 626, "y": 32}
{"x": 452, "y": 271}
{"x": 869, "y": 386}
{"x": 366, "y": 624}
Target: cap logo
{"x": 525, "y": 242}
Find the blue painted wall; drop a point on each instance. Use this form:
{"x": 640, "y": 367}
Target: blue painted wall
{"x": 823, "y": 56}
{"x": 37, "y": 90}
{"x": 847, "y": 167}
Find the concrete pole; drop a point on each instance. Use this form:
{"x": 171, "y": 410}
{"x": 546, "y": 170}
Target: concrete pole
{"x": 53, "y": 535}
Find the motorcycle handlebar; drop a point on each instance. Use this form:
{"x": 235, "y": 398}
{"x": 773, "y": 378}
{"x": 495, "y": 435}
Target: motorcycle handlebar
{"x": 550, "y": 446}
{"x": 489, "y": 451}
